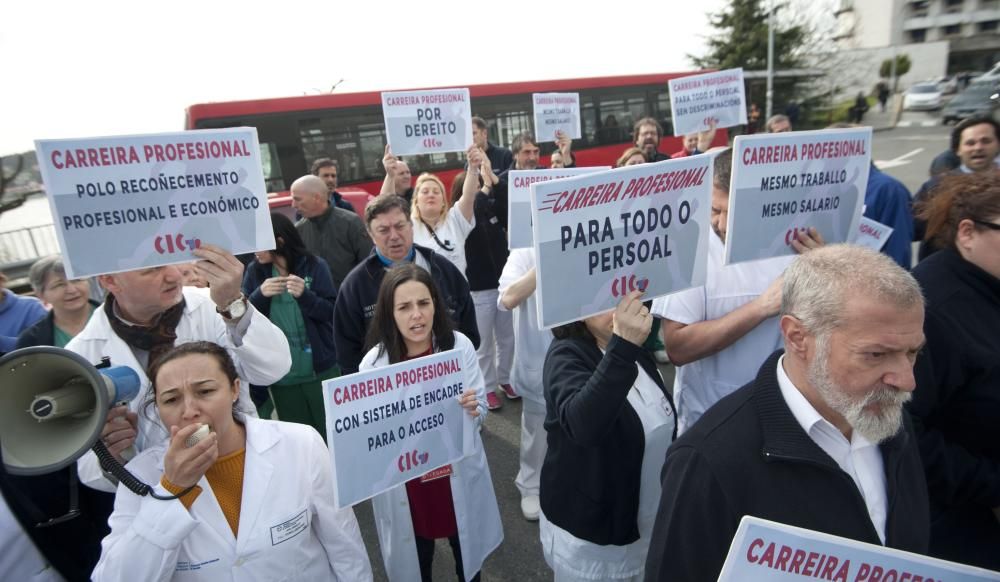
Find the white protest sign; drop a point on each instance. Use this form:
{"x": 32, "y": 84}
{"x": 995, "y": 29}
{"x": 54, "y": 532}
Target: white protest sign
{"x": 519, "y": 199}
{"x": 698, "y": 100}
{"x": 768, "y": 551}
{"x": 872, "y": 234}
{"x": 131, "y": 202}
{"x": 599, "y": 236}
{"x": 428, "y": 122}
{"x": 556, "y": 112}
{"x": 392, "y": 424}
{"x": 784, "y": 183}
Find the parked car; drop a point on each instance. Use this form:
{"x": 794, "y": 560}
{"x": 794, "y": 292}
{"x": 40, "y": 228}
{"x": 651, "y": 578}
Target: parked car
{"x": 978, "y": 99}
{"x": 991, "y": 76}
{"x": 925, "y": 96}
{"x": 948, "y": 84}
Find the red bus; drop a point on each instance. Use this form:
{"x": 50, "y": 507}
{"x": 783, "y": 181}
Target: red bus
{"x": 348, "y": 127}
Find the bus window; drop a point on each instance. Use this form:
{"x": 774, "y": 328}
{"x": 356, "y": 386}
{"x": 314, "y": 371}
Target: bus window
{"x": 272, "y": 169}
{"x": 617, "y": 115}
{"x": 588, "y": 120}
{"x": 663, "y": 115}
{"x": 372, "y": 137}
{"x": 507, "y": 116}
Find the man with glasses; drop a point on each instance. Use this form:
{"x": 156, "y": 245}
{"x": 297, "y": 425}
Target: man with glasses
{"x": 390, "y": 227}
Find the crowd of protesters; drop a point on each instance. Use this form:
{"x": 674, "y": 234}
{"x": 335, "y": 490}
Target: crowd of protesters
{"x": 840, "y": 390}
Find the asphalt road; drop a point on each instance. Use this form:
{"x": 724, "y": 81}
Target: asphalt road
{"x": 904, "y": 153}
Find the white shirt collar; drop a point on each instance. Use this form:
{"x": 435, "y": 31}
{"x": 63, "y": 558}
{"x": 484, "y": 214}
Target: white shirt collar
{"x": 807, "y": 416}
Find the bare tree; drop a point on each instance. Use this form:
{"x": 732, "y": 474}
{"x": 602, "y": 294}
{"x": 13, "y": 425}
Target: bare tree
{"x": 6, "y": 180}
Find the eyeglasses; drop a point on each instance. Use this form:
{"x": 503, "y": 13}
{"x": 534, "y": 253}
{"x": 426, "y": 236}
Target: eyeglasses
{"x": 989, "y": 225}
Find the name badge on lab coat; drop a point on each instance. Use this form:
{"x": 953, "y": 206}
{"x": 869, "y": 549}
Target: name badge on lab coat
{"x": 289, "y": 529}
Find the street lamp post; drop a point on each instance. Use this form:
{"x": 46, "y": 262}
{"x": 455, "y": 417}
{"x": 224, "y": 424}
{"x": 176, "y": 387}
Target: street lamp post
{"x": 770, "y": 61}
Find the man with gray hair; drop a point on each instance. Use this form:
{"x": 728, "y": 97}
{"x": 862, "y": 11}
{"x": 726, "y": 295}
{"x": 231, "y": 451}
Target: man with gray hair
{"x": 819, "y": 439}
{"x": 336, "y": 235}
{"x": 778, "y": 124}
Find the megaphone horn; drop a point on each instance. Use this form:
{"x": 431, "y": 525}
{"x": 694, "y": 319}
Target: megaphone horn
{"x": 53, "y": 405}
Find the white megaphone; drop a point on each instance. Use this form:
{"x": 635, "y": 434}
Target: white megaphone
{"x": 53, "y": 405}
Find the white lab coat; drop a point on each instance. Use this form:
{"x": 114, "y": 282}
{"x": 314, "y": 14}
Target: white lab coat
{"x": 476, "y": 512}
{"x": 289, "y": 528}
{"x": 532, "y": 342}
{"x": 261, "y": 356}
{"x": 20, "y": 559}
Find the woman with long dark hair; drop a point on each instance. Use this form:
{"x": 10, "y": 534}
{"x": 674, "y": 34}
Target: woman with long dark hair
{"x": 458, "y": 503}
{"x": 294, "y": 289}
{"x": 956, "y": 405}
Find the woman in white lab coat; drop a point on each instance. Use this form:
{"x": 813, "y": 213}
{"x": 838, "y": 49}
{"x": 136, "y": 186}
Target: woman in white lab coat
{"x": 255, "y": 497}
{"x": 411, "y": 321}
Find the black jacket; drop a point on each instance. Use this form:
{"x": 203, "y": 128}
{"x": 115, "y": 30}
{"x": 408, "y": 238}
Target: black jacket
{"x": 43, "y": 333}
{"x": 500, "y": 158}
{"x": 74, "y": 546}
{"x": 956, "y": 407}
{"x": 356, "y": 304}
{"x": 748, "y": 455}
{"x": 590, "y": 476}
{"x": 316, "y": 304}
{"x": 486, "y": 246}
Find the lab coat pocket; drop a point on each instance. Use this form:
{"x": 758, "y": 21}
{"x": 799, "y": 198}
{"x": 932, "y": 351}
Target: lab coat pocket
{"x": 291, "y": 530}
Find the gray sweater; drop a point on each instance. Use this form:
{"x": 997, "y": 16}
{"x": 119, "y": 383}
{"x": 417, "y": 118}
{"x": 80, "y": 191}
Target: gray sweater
{"x": 339, "y": 237}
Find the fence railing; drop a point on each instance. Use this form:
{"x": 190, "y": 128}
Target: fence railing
{"x": 27, "y": 244}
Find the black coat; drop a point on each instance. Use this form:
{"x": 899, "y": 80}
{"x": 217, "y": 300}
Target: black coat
{"x": 748, "y": 455}
{"x": 72, "y": 547}
{"x": 316, "y": 304}
{"x": 43, "y": 333}
{"x": 956, "y": 407}
{"x": 590, "y": 476}
{"x": 486, "y": 246}
{"x": 356, "y": 304}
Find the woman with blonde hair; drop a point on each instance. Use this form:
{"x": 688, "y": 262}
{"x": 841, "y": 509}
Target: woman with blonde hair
{"x": 630, "y": 157}
{"x": 436, "y": 225}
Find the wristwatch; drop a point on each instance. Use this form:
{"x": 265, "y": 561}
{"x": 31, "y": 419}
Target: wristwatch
{"x": 234, "y": 310}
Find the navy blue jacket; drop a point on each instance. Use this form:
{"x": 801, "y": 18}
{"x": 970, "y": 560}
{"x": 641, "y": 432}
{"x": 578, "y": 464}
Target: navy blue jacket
{"x": 316, "y": 303}
{"x": 356, "y": 305}
{"x": 888, "y": 201}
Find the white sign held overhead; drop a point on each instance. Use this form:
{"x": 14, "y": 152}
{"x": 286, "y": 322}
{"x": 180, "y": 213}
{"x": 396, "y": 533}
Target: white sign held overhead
{"x": 786, "y": 183}
{"x": 137, "y": 201}
{"x": 428, "y": 122}
{"x": 698, "y": 101}
{"x": 599, "y": 236}
{"x": 555, "y": 112}
{"x": 519, "y": 199}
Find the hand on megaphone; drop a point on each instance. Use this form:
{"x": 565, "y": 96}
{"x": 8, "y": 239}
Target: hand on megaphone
{"x": 119, "y": 431}
{"x": 183, "y": 466}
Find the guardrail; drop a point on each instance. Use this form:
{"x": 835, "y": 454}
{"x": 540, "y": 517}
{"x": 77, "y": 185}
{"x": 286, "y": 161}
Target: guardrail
{"x": 27, "y": 244}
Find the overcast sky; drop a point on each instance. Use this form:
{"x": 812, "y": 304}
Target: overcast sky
{"x": 115, "y": 67}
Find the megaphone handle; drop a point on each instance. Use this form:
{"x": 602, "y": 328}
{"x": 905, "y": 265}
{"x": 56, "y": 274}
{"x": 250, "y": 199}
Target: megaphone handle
{"x": 111, "y": 465}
